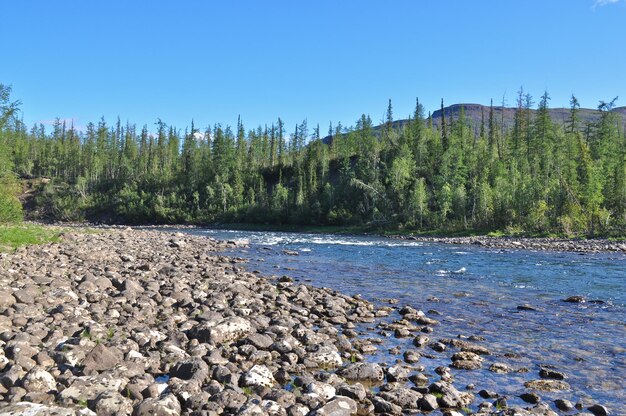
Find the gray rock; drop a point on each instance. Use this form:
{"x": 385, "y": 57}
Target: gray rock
{"x": 339, "y": 406}
{"x": 39, "y": 380}
{"x": 532, "y": 398}
{"x": 167, "y": 405}
{"x": 564, "y": 405}
{"x": 574, "y": 299}
{"x": 551, "y": 374}
{"x": 229, "y": 330}
{"x": 420, "y": 340}
{"x": 368, "y": 372}
{"x": 499, "y": 368}
{"x": 111, "y": 403}
{"x": 90, "y": 387}
{"x": 190, "y": 369}
{"x": 259, "y": 375}
{"x": 383, "y": 406}
{"x": 324, "y": 390}
{"x": 397, "y": 373}
{"x": 547, "y": 385}
{"x": 428, "y": 403}
{"x": 403, "y": 397}
{"x": 598, "y": 410}
{"x": 354, "y": 391}
{"x": 6, "y": 299}
{"x": 101, "y": 358}
{"x": 36, "y": 409}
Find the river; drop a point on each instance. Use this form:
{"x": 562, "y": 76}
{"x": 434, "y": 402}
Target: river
{"x": 476, "y": 291}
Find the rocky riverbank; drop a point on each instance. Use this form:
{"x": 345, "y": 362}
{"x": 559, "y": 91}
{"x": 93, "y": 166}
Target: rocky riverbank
{"x": 123, "y": 322}
{"x": 538, "y": 244}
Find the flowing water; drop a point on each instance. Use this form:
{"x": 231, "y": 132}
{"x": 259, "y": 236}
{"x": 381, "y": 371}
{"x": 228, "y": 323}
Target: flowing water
{"x": 476, "y": 291}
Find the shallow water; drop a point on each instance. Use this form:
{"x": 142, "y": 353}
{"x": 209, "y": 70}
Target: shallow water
{"x": 478, "y": 291}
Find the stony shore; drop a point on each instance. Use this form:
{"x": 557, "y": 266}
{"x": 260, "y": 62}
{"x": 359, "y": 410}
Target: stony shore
{"x": 123, "y": 322}
{"x": 537, "y": 244}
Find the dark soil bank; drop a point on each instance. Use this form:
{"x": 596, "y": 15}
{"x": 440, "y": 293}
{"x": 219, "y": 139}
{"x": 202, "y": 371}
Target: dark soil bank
{"x": 150, "y": 323}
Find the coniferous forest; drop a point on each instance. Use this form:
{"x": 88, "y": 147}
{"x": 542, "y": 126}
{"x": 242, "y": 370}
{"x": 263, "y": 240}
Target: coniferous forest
{"x": 537, "y": 176}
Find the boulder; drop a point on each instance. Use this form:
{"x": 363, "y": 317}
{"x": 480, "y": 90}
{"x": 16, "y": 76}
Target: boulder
{"x": 167, "y": 405}
{"x": 259, "y": 375}
{"x": 39, "y": 380}
{"x": 547, "y": 385}
{"x": 339, "y": 406}
{"x": 368, "y": 372}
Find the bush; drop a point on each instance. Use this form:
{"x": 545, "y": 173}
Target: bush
{"x": 10, "y": 206}
{"x": 10, "y": 209}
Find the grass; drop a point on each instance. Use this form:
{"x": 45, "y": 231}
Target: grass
{"x": 13, "y": 236}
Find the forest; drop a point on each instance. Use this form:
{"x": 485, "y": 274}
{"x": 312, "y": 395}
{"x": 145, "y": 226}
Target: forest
{"x": 446, "y": 175}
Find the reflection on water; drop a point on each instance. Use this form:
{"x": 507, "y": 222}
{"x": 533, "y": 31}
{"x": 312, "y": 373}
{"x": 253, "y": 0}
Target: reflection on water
{"x": 477, "y": 292}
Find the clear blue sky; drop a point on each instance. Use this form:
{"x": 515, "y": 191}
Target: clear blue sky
{"x": 321, "y": 60}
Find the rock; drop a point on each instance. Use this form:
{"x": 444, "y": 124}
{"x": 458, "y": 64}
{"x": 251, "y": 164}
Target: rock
{"x": 547, "y": 385}
{"x": 113, "y": 404}
{"x": 190, "y": 369}
{"x": 551, "y": 374}
{"x": 323, "y": 390}
{"x": 298, "y": 410}
{"x": 564, "y": 405}
{"x": 419, "y": 379}
{"x": 259, "y": 375}
{"x": 466, "y": 365}
{"x": 90, "y": 387}
{"x": 501, "y": 403}
{"x": 339, "y": 406}
{"x": 260, "y": 341}
{"x": 354, "y": 391}
{"x": 101, "y": 358}
{"x": 420, "y": 340}
{"x": 526, "y": 307}
{"x": 326, "y": 357}
{"x": 428, "y": 403}
{"x": 167, "y": 405}
{"x": 383, "y": 406}
{"x": 35, "y": 409}
{"x": 598, "y": 410}
{"x": 368, "y": 372}
{"x": 411, "y": 357}
{"x": 532, "y": 398}
{"x": 403, "y": 397}
{"x": 397, "y": 373}
{"x": 437, "y": 346}
{"x": 6, "y": 299}
{"x": 449, "y": 396}
{"x": 487, "y": 394}
{"x": 575, "y": 299}
{"x": 499, "y": 368}
{"x": 24, "y": 296}
{"x": 228, "y": 330}
{"x": 39, "y": 380}
{"x": 229, "y": 400}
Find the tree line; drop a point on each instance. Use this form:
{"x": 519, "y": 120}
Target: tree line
{"x": 538, "y": 176}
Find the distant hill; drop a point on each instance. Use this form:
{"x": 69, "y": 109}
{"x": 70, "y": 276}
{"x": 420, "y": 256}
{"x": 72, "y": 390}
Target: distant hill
{"x": 503, "y": 116}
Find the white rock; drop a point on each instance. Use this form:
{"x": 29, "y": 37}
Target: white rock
{"x": 325, "y": 391}
{"x": 39, "y": 380}
{"x": 259, "y": 375}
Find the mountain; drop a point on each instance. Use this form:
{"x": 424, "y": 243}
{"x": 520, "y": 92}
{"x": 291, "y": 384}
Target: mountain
{"x": 504, "y": 116}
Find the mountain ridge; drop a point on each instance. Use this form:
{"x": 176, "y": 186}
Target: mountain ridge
{"x": 504, "y": 116}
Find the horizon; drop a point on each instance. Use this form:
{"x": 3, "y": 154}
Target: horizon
{"x": 331, "y": 63}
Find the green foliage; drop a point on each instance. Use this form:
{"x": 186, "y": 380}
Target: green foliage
{"x": 452, "y": 176}
{"x": 10, "y": 206}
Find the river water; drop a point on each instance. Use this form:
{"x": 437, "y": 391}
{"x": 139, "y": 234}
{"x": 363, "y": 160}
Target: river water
{"x": 476, "y": 291}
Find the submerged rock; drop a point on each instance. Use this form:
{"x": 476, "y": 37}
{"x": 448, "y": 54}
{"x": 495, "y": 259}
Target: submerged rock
{"x": 547, "y": 385}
